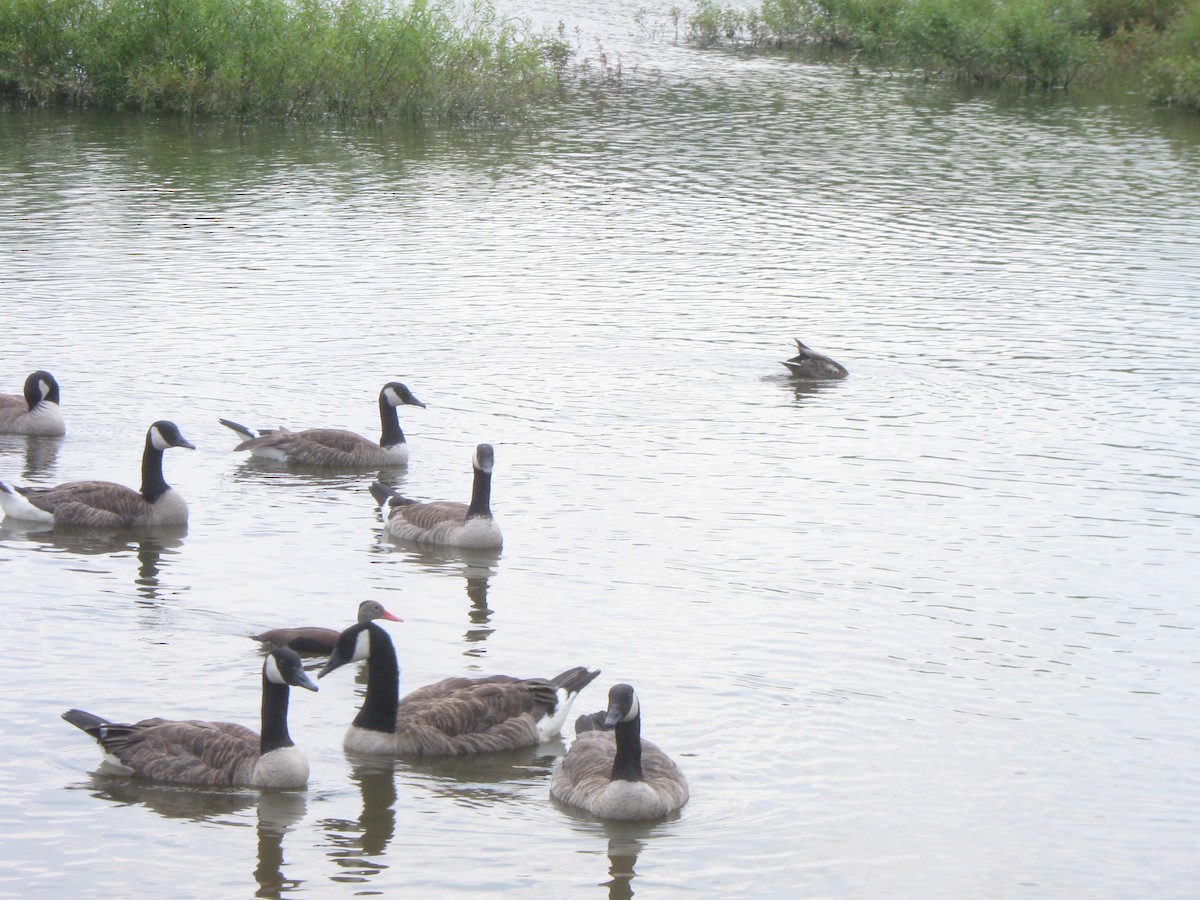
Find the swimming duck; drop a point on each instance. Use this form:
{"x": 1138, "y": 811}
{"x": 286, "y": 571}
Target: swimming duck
{"x": 36, "y": 412}
{"x": 446, "y": 523}
{"x": 453, "y": 716}
{"x": 212, "y": 753}
{"x": 103, "y": 504}
{"x": 335, "y": 446}
{"x": 611, "y": 772}
{"x": 321, "y": 640}
{"x": 809, "y": 363}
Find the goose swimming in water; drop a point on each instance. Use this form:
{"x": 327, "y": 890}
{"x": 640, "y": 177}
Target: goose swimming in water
{"x": 321, "y": 640}
{"x": 212, "y": 753}
{"x": 809, "y": 363}
{"x": 36, "y": 412}
{"x": 446, "y": 523}
{"x": 335, "y": 446}
{"x": 611, "y": 772}
{"x": 103, "y": 504}
{"x": 453, "y": 716}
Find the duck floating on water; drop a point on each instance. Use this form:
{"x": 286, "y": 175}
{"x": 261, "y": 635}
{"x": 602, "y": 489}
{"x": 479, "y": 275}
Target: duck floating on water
{"x": 808, "y": 363}
{"x": 103, "y": 504}
{"x": 35, "y": 411}
{"x": 333, "y": 447}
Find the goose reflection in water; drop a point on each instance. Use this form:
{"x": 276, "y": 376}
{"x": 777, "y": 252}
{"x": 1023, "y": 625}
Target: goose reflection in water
{"x": 149, "y": 545}
{"x": 476, "y": 566}
{"x": 277, "y": 813}
{"x": 622, "y": 860}
{"x": 356, "y": 843}
{"x": 482, "y": 780}
{"x": 41, "y": 454}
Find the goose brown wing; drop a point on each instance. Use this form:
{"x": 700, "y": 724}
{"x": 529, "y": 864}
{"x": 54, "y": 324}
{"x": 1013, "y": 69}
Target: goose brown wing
{"x": 315, "y": 446}
{"x": 96, "y": 503}
{"x": 467, "y": 715}
{"x": 430, "y": 515}
{"x": 661, "y": 772}
{"x": 586, "y": 769}
{"x": 191, "y": 751}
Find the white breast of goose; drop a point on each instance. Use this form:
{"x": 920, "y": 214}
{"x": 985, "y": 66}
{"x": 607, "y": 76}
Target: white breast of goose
{"x": 630, "y": 800}
{"x": 371, "y": 743}
{"x": 169, "y": 509}
{"x": 44, "y": 420}
{"x": 282, "y": 769}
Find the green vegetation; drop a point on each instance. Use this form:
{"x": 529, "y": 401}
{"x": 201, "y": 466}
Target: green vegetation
{"x": 1045, "y": 43}
{"x": 420, "y": 60}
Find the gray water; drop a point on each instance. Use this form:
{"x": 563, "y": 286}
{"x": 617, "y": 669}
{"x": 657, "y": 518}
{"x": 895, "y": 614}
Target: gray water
{"x": 928, "y": 631}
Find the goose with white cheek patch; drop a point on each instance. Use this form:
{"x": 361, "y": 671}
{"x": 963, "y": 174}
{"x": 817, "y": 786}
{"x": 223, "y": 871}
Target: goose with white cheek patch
{"x": 446, "y": 523}
{"x": 333, "y": 447}
{"x": 454, "y": 716}
{"x": 611, "y": 772}
{"x": 218, "y": 754}
{"x": 311, "y": 639}
{"x": 808, "y": 363}
{"x": 36, "y": 411}
{"x": 103, "y": 504}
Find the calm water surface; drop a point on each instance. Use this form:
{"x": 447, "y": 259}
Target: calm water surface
{"x": 930, "y": 631}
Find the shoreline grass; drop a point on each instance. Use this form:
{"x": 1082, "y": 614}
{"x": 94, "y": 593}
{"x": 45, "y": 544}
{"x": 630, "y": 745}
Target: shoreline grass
{"x": 427, "y": 60}
{"x": 1048, "y": 44}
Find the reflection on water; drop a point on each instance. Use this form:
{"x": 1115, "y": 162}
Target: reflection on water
{"x": 622, "y": 860}
{"x": 278, "y": 812}
{"x": 484, "y": 779}
{"x": 41, "y": 455}
{"x": 149, "y": 545}
{"x": 355, "y": 842}
{"x": 476, "y": 566}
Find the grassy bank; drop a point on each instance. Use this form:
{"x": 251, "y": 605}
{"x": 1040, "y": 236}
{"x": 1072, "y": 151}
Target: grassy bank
{"x": 424, "y": 60}
{"x": 1045, "y": 43}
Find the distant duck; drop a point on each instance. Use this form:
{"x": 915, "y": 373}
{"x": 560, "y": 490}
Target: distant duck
{"x": 335, "y": 446}
{"x": 446, "y": 523}
{"x": 611, "y": 772}
{"x": 811, "y": 364}
{"x": 321, "y": 640}
{"x": 450, "y": 717}
{"x": 103, "y": 504}
{"x": 212, "y": 753}
{"x": 37, "y": 412}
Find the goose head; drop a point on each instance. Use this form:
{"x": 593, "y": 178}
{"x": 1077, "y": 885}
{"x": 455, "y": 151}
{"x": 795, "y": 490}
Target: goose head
{"x": 484, "y": 459}
{"x": 373, "y": 609}
{"x": 622, "y": 705}
{"x": 164, "y": 434}
{"x": 396, "y": 394}
{"x": 40, "y": 386}
{"x": 353, "y": 645}
{"x": 283, "y": 666}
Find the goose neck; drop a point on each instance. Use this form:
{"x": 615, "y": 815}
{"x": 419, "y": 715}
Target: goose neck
{"x": 391, "y": 434}
{"x": 153, "y": 483}
{"x": 274, "y": 717}
{"x": 627, "y": 764}
{"x": 378, "y": 711}
{"x": 481, "y": 495}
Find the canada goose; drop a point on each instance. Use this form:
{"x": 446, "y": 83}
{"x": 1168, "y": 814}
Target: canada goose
{"x": 212, "y": 753}
{"x": 103, "y": 504}
{"x": 614, "y": 774}
{"x": 446, "y": 522}
{"x": 334, "y": 446}
{"x": 453, "y": 716}
{"x": 321, "y": 640}
{"x": 36, "y": 412}
{"x": 811, "y": 364}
